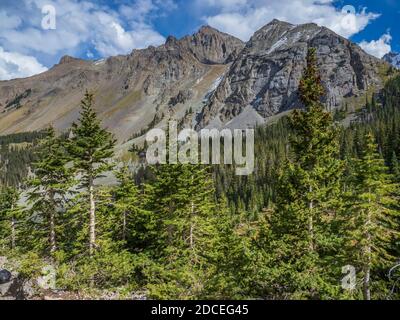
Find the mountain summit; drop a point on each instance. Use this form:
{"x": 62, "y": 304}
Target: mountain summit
{"x": 132, "y": 92}
{"x": 209, "y": 46}
{"x": 206, "y": 79}
{"x": 393, "y": 58}
{"x": 263, "y": 81}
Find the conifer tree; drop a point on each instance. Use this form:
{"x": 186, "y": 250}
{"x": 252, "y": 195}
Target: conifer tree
{"x": 10, "y": 214}
{"x": 128, "y": 202}
{"x": 242, "y": 266}
{"x": 90, "y": 147}
{"x": 373, "y": 215}
{"x": 183, "y": 204}
{"x": 315, "y": 146}
{"x": 309, "y": 186}
{"x": 48, "y": 191}
{"x": 395, "y": 167}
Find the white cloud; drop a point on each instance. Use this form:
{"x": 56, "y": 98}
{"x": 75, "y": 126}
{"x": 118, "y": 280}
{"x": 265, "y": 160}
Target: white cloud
{"x": 114, "y": 39}
{"x": 243, "y": 17}
{"x": 80, "y": 23}
{"x": 239, "y": 25}
{"x": 225, "y": 4}
{"x": 378, "y": 48}
{"x": 15, "y": 65}
{"x": 9, "y": 21}
{"x": 82, "y": 26}
{"x": 90, "y": 26}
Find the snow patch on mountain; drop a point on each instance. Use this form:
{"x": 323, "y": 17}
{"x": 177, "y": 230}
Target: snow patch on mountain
{"x": 99, "y": 62}
{"x": 213, "y": 87}
{"x": 277, "y": 45}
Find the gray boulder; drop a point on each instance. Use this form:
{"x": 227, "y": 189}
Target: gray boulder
{"x": 5, "y": 276}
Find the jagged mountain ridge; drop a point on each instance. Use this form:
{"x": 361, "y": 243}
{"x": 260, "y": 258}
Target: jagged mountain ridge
{"x": 131, "y": 91}
{"x": 393, "y": 58}
{"x": 263, "y": 81}
{"x": 225, "y": 82}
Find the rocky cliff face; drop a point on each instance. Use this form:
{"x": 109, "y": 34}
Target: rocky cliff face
{"x": 393, "y": 58}
{"x": 222, "y": 80}
{"x": 211, "y": 46}
{"x": 131, "y": 91}
{"x": 263, "y": 81}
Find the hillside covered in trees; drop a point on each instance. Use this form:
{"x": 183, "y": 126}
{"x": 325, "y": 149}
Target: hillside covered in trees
{"x": 323, "y": 199}
{"x": 16, "y": 155}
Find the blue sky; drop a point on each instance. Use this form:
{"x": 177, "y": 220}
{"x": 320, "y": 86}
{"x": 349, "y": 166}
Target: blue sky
{"x": 92, "y": 29}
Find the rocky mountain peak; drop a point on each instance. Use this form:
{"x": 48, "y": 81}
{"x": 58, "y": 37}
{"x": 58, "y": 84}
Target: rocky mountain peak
{"x": 208, "y": 29}
{"x": 274, "y": 26}
{"x": 132, "y": 91}
{"x": 211, "y": 46}
{"x": 171, "y": 41}
{"x": 277, "y": 23}
{"x": 267, "y": 36}
{"x": 393, "y": 58}
{"x": 68, "y": 59}
{"x": 224, "y": 81}
{"x": 263, "y": 81}
{"x": 208, "y": 45}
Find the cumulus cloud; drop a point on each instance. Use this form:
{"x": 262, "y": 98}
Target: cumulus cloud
{"x": 243, "y": 17}
{"x": 225, "y": 4}
{"x": 93, "y": 29}
{"x": 16, "y": 65}
{"x": 111, "y": 31}
{"x": 8, "y": 21}
{"x": 378, "y": 48}
{"x": 115, "y": 39}
{"x": 81, "y": 26}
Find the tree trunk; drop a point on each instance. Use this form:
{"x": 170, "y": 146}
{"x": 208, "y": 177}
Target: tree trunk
{"x": 367, "y": 264}
{"x": 191, "y": 237}
{"x": 366, "y": 281}
{"x": 13, "y": 233}
{"x": 52, "y": 225}
{"x": 311, "y": 223}
{"x": 124, "y": 226}
{"x": 191, "y": 227}
{"x": 92, "y": 218}
{"x": 53, "y": 246}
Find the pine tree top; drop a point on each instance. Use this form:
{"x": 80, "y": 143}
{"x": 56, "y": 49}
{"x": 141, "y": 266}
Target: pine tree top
{"x": 311, "y": 89}
{"x": 91, "y": 146}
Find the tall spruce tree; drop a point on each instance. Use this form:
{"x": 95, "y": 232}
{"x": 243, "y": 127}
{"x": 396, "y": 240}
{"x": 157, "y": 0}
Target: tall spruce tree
{"x": 373, "y": 216}
{"x": 91, "y": 147}
{"x": 10, "y": 216}
{"x": 48, "y": 191}
{"x": 395, "y": 167}
{"x": 128, "y": 203}
{"x": 182, "y": 201}
{"x": 308, "y": 193}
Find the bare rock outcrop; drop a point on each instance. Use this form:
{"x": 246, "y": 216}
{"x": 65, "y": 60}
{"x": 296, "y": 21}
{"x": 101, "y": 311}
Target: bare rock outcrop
{"x": 130, "y": 90}
{"x": 393, "y": 58}
{"x": 223, "y": 81}
{"x": 267, "y": 72}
